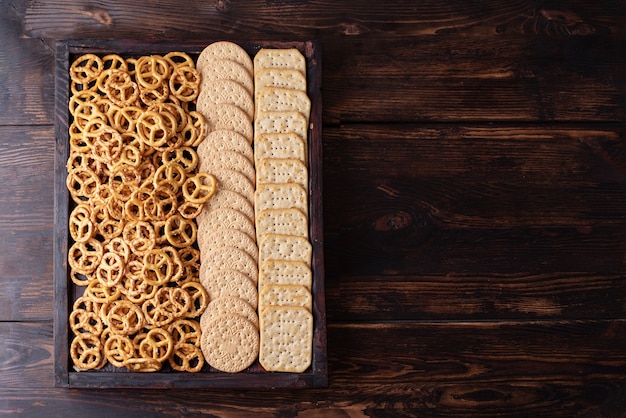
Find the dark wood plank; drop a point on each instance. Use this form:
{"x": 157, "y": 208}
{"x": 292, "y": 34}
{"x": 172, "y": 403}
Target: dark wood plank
{"x": 522, "y": 62}
{"x": 26, "y": 167}
{"x": 556, "y": 368}
{"x": 512, "y": 222}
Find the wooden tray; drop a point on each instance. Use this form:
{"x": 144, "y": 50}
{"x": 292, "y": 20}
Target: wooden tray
{"x": 65, "y": 290}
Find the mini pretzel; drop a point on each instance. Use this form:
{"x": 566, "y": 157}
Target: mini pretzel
{"x": 171, "y": 175}
{"x": 143, "y": 365}
{"x": 161, "y": 204}
{"x": 87, "y": 68}
{"x": 152, "y": 130}
{"x": 151, "y": 71}
{"x": 83, "y": 321}
{"x": 199, "y": 298}
{"x": 180, "y": 232}
{"x": 124, "y": 317}
{"x": 118, "y": 349}
{"x": 185, "y": 156}
{"x": 179, "y": 59}
{"x": 157, "y": 267}
{"x": 140, "y": 236}
{"x": 184, "y": 83}
{"x": 185, "y": 331}
{"x": 84, "y": 257}
{"x": 82, "y": 182}
{"x": 102, "y": 294}
{"x": 120, "y": 88}
{"x": 80, "y": 225}
{"x": 199, "y": 188}
{"x": 85, "y": 351}
{"x": 187, "y": 357}
{"x": 110, "y": 270}
{"x": 157, "y": 345}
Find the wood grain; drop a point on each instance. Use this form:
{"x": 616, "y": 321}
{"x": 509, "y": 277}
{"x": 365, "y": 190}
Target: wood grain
{"x": 553, "y": 368}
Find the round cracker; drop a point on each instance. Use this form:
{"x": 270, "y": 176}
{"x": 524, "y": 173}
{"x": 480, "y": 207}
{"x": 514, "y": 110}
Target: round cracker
{"x": 235, "y": 181}
{"x": 225, "y": 218}
{"x": 230, "y": 343}
{"x": 225, "y": 50}
{"x": 231, "y": 283}
{"x": 227, "y": 258}
{"x": 213, "y": 159}
{"x": 227, "y": 116}
{"x": 225, "y": 139}
{"x": 227, "y": 70}
{"x": 225, "y": 91}
{"x": 228, "y": 305}
{"x": 229, "y": 199}
{"x": 227, "y": 237}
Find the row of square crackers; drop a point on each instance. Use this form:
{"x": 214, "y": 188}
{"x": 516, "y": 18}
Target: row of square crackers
{"x": 281, "y": 122}
{"x": 226, "y": 229}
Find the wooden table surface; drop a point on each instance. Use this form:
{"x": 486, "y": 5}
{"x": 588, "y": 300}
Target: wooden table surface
{"x": 474, "y": 204}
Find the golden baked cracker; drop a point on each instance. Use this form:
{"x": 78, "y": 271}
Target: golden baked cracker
{"x": 228, "y": 199}
{"x": 225, "y": 50}
{"x": 232, "y": 283}
{"x": 280, "y": 196}
{"x": 227, "y": 116}
{"x": 230, "y": 343}
{"x": 225, "y": 91}
{"x": 284, "y": 247}
{"x": 225, "y": 305}
{"x": 283, "y": 58}
{"x": 235, "y": 181}
{"x": 285, "y": 272}
{"x": 282, "y": 170}
{"x": 283, "y": 78}
{"x": 276, "y": 99}
{"x": 213, "y": 159}
{"x": 224, "y": 218}
{"x": 226, "y": 237}
{"x": 287, "y": 145}
{"x": 227, "y": 258}
{"x": 280, "y": 123}
{"x": 227, "y": 70}
{"x": 290, "y": 221}
{"x": 284, "y": 295}
{"x": 286, "y": 339}
{"x": 226, "y": 139}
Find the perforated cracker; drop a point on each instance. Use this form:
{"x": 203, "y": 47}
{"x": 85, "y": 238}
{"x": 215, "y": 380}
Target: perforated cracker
{"x": 283, "y": 58}
{"x": 285, "y": 247}
{"x": 280, "y": 123}
{"x": 227, "y": 70}
{"x": 286, "y": 342}
{"x": 276, "y": 99}
{"x": 282, "y": 170}
{"x": 285, "y": 272}
{"x": 290, "y": 221}
{"x": 280, "y": 196}
{"x": 287, "y": 145}
{"x": 284, "y": 295}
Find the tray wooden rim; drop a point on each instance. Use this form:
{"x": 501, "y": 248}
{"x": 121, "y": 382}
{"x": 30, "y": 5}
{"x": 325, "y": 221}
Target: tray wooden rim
{"x": 64, "y": 376}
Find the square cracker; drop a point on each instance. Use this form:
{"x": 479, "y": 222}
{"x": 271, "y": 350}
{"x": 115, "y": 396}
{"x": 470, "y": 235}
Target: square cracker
{"x": 279, "y": 196}
{"x": 276, "y": 99}
{"x": 289, "y": 221}
{"x": 285, "y": 272}
{"x": 282, "y": 170}
{"x": 285, "y": 58}
{"x": 284, "y": 295}
{"x": 287, "y": 145}
{"x": 286, "y": 342}
{"x": 285, "y": 247}
{"x": 280, "y": 123}
{"x": 283, "y": 78}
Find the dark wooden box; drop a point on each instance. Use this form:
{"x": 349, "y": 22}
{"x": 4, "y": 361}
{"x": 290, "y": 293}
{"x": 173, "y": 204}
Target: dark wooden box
{"x": 65, "y": 292}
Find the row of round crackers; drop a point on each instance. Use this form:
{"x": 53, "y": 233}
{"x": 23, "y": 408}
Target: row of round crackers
{"x": 226, "y": 228}
{"x": 282, "y": 110}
